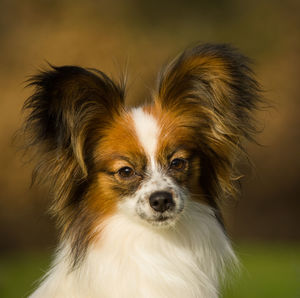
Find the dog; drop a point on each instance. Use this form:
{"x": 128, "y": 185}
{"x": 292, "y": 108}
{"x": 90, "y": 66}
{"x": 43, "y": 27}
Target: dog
{"x": 137, "y": 191}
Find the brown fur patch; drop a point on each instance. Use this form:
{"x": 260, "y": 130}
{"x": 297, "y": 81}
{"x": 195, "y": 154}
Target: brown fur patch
{"x": 118, "y": 148}
{"x": 211, "y": 91}
{"x": 180, "y": 139}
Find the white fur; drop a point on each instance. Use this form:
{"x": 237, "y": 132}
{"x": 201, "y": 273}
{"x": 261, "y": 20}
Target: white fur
{"x": 147, "y": 131}
{"x": 137, "y": 205}
{"x": 135, "y": 260}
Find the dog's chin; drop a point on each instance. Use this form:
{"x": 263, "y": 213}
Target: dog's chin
{"x": 163, "y": 221}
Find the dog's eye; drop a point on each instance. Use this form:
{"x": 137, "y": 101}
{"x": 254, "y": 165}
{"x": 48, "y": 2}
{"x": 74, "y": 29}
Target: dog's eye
{"x": 126, "y": 172}
{"x": 178, "y": 164}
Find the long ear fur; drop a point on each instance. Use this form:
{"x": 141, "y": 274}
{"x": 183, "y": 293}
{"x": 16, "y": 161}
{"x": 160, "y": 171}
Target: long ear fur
{"x": 214, "y": 87}
{"x": 68, "y": 106}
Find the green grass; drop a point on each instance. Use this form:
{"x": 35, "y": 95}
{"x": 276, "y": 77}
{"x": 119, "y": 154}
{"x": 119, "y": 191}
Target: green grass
{"x": 19, "y": 272}
{"x": 268, "y": 270}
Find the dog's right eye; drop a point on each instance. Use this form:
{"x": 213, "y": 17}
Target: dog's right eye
{"x": 178, "y": 164}
{"x": 126, "y": 172}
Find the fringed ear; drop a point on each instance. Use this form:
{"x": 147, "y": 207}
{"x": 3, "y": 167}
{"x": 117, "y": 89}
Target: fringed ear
{"x": 70, "y": 106}
{"x": 214, "y": 87}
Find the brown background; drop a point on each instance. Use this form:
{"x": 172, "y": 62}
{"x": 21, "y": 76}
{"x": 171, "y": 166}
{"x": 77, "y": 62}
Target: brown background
{"x": 143, "y": 35}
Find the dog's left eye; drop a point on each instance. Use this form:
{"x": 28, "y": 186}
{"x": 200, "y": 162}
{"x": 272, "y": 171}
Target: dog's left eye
{"x": 178, "y": 164}
{"x": 126, "y": 172}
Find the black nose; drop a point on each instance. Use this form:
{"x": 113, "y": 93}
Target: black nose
{"x": 161, "y": 201}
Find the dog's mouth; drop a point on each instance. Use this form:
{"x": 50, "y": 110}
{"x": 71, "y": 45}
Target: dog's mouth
{"x": 164, "y": 220}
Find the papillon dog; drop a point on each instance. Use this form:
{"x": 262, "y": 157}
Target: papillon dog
{"x": 137, "y": 190}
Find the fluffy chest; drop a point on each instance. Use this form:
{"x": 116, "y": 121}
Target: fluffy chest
{"x": 132, "y": 260}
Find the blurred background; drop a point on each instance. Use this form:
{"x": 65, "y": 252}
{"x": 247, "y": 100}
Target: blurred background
{"x": 110, "y": 35}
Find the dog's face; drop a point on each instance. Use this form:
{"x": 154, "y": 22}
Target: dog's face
{"x": 102, "y": 157}
{"x": 148, "y": 165}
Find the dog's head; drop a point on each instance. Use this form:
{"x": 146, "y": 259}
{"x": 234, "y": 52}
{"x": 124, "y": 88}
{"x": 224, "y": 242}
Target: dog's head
{"x": 147, "y": 162}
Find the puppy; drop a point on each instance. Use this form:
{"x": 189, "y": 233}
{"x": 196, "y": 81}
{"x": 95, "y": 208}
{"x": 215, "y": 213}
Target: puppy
{"x": 136, "y": 191}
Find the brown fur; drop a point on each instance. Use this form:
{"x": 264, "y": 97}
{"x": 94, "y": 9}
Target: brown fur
{"x": 212, "y": 89}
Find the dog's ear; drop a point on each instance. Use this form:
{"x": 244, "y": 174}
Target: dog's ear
{"x": 219, "y": 79}
{"x": 69, "y": 106}
{"x": 214, "y": 87}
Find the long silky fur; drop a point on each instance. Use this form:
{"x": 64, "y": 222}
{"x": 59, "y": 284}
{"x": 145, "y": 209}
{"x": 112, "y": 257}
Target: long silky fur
{"x": 214, "y": 86}
{"x": 68, "y": 109}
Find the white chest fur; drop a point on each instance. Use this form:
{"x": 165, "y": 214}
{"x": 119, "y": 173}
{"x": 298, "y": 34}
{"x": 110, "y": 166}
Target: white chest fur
{"x": 133, "y": 260}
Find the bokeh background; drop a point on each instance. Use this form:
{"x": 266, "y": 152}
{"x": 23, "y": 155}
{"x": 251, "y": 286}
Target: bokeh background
{"x": 142, "y": 35}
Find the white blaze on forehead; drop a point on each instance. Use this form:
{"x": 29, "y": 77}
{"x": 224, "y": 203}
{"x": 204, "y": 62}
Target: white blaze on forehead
{"x": 147, "y": 130}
